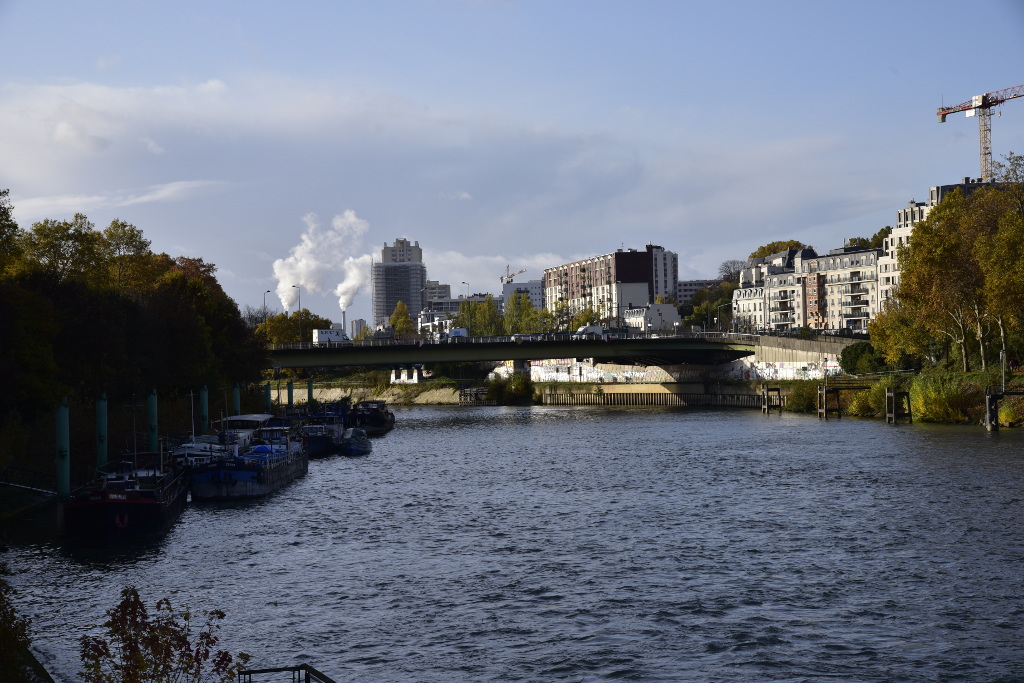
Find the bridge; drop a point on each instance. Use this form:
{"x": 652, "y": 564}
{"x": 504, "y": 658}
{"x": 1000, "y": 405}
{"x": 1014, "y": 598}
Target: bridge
{"x": 710, "y": 348}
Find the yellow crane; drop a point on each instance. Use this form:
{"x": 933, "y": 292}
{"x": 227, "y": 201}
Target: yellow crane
{"x": 507, "y": 277}
{"x": 981, "y": 106}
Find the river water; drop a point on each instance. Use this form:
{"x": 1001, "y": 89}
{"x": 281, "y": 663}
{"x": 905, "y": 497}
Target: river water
{"x": 584, "y": 544}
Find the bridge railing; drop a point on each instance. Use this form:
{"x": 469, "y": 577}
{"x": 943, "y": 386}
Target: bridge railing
{"x": 520, "y": 338}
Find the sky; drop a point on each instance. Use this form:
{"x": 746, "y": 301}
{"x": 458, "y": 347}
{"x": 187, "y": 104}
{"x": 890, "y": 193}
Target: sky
{"x": 287, "y": 143}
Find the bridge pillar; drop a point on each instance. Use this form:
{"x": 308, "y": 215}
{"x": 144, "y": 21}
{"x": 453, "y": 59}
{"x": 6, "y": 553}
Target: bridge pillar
{"x": 236, "y": 400}
{"x": 101, "y": 430}
{"x": 267, "y": 405}
{"x": 521, "y": 367}
{"x": 63, "y": 449}
{"x": 291, "y": 394}
{"x": 152, "y": 431}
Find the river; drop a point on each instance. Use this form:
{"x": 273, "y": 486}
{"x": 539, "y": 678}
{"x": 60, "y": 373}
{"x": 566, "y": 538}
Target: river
{"x": 587, "y": 544}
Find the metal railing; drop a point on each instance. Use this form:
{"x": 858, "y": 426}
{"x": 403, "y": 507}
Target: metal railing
{"x": 302, "y": 673}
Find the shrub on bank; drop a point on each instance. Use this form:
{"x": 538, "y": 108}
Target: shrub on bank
{"x": 803, "y": 397}
{"x": 1011, "y": 411}
{"x": 946, "y": 397}
{"x": 871, "y": 401}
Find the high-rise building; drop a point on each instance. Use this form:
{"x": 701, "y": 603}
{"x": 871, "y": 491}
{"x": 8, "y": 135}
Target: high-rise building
{"x": 399, "y": 276}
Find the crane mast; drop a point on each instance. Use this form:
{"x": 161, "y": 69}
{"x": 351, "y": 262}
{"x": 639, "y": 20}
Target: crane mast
{"x": 981, "y": 106}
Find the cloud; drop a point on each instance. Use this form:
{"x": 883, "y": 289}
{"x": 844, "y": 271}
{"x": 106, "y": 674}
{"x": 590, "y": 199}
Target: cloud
{"x": 32, "y": 209}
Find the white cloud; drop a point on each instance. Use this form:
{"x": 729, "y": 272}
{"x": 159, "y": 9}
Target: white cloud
{"x": 32, "y": 209}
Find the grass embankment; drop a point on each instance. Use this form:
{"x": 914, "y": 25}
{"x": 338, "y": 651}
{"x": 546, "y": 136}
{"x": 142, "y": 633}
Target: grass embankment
{"x": 948, "y": 397}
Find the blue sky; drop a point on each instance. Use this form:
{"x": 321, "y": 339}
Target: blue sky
{"x": 287, "y": 142}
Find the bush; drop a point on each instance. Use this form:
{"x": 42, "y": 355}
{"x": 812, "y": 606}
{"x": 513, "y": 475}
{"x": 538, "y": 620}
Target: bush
{"x": 513, "y": 391}
{"x": 946, "y": 397}
{"x": 871, "y": 402}
{"x": 803, "y": 397}
{"x": 156, "y": 649}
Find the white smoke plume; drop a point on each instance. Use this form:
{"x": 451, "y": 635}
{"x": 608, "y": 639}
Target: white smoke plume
{"x": 319, "y": 257}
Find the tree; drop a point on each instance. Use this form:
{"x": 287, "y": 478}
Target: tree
{"x": 730, "y": 270}
{"x": 776, "y": 247}
{"x": 520, "y": 316}
{"x": 141, "y": 649}
{"x": 10, "y": 234}
{"x": 64, "y": 249}
{"x": 284, "y": 328}
{"x": 127, "y": 254}
{"x": 401, "y": 322}
{"x": 941, "y": 280}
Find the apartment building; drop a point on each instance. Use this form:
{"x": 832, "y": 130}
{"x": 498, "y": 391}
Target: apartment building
{"x": 798, "y": 288}
{"x": 612, "y": 283}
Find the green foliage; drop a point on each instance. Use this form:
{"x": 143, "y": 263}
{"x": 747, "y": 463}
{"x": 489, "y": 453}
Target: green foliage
{"x": 14, "y": 630}
{"x": 143, "y": 649}
{"x": 481, "y": 318}
{"x": 803, "y": 397}
{"x": 520, "y": 317}
{"x": 10, "y": 234}
{"x": 87, "y": 312}
{"x": 776, "y": 247}
{"x": 946, "y": 397}
{"x": 876, "y": 241}
{"x": 401, "y": 321}
{"x": 1011, "y": 411}
{"x": 514, "y": 390}
{"x": 859, "y": 359}
{"x": 871, "y": 402}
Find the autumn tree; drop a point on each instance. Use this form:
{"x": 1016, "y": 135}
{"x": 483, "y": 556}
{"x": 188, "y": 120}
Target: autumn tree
{"x": 10, "y": 233}
{"x": 401, "y": 321}
{"x": 64, "y": 249}
{"x": 127, "y": 256}
{"x": 162, "y": 648}
{"x": 520, "y": 317}
{"x": 776, "y": 247}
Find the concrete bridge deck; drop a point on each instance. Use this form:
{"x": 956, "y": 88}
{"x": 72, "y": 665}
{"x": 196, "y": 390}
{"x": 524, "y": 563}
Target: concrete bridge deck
{"x": 687, "y": 349}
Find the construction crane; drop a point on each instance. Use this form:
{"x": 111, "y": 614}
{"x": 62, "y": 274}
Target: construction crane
{"x": 981, "y": 106}
{"x": 507, "y": 277}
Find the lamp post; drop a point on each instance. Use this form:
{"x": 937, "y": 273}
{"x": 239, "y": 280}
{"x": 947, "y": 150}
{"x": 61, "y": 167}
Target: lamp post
{"x": 299, "y": 312}
{"x": 265, "y": 316}
{"x": 467, "y": 289}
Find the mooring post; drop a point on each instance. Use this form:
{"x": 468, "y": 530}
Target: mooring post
{"x": 63, "y": 449}
{"x": 101, "y": 430}
{"x": 992, "y": 409}
{"x": 151, "y": 404}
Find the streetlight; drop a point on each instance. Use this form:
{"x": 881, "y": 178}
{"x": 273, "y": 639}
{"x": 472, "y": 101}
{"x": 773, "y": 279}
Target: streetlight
{"x": 300, "y": 311}
{"x": 265, "y": 316}
{"x": 467, "y": 289}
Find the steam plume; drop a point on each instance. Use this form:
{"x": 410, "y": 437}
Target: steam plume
{"x": 320, "y": 254}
